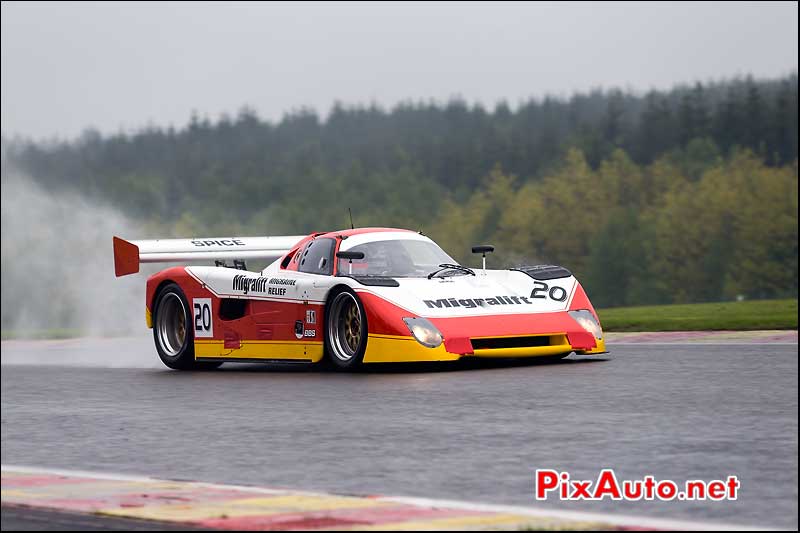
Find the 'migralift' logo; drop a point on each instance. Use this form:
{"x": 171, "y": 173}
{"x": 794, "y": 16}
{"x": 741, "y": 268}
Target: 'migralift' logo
{"x": 540, "y": 291}
{"x": 470, "y": 303}
{"x": 245, "y": 284}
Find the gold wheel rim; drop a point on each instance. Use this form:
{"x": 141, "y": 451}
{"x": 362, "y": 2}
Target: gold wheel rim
{"x": 181, "y": 328}
{"x": 352, "y": 327}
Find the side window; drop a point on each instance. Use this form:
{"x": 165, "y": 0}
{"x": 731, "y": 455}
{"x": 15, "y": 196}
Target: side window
{"x": 317, "y": 257}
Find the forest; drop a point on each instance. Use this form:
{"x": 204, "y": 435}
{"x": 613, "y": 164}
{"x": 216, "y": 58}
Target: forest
{"x": 687, "y": 194}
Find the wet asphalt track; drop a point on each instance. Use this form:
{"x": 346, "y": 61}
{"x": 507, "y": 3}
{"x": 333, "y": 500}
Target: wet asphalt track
{"x": 470, "y": 432}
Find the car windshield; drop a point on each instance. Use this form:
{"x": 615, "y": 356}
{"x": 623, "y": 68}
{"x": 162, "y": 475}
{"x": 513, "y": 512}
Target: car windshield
{"x": 395, "y": 258}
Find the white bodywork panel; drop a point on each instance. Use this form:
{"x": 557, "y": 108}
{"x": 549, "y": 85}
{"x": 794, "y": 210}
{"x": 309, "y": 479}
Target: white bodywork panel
{"x": 498, "y": 292}
{"x": 363, "y": 238}
{"x": 276, "y": 285}
{"x": 214, "y": 248}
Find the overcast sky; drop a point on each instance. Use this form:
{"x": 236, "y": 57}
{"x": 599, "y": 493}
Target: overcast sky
{"x": 69, "y": 66}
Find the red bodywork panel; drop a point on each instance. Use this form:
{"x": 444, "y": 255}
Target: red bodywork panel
{"x": 385, "y": 318}
{"x": 178, "y": 275}
{"x": 262, "y": 320}
{"x": 126, "y": 257}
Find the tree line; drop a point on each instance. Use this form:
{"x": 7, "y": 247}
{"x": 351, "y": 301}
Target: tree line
{"x": 680, "y": 195}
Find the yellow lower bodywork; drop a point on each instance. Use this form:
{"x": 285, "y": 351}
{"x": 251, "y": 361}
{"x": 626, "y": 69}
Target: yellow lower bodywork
{"x": 600, "y": 348}
{"x": 260, "y": 350}
{"x": 398, "y": 349}
{"x": 380, "y": 349}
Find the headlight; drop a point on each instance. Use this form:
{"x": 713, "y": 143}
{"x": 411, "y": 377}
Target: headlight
{"x": 425, "y": 332}
{"x": 587, "y": 321}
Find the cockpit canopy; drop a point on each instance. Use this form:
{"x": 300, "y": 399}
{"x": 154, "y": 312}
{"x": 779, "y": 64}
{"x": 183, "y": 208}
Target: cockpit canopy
{"x": 403, "y": 255}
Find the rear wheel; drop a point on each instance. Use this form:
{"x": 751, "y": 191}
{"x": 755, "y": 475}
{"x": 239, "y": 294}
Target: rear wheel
{"x": 345, "y": 330}
{"x": 173, "y": 337}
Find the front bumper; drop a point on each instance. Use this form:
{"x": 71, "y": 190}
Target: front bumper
{"x": 402, "y": 349}
{"x": 600, "y": 348}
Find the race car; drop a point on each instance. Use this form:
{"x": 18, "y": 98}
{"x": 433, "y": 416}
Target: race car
{"x": 352, "y": 297}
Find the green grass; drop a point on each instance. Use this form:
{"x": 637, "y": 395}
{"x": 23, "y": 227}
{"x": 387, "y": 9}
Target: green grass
{"x": 748, "y": 315}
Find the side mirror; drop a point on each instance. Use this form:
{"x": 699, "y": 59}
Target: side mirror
{"x": 482, "y": 249}
{"x": 350, "y": 255}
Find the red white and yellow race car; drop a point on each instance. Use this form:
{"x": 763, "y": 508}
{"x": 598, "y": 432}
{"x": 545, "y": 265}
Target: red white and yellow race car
{"x": 366, "y": 295}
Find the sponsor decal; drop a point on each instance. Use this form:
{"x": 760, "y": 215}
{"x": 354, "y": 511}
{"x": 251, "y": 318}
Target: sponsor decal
{"x": 247, "y": 284}
{"x": 218, "y": 242}
{"x": 282, "y": 281}
{"x": 202, "y": 317}
{"x": 311, "y": 316}
{"x": 279, "y": 291}
{"x": 540, "y": 290}
{"x": 471, "y": 303}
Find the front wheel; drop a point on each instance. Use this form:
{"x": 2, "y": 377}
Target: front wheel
{"x": 174, "y": 340}
{"x": 345, "y": 330}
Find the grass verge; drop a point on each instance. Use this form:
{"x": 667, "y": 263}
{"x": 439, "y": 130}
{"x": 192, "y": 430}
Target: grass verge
{"x": 742, "y": 316}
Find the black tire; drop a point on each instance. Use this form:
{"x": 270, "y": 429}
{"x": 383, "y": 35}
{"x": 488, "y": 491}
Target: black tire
{"x": 174, "y": 340}
{"x": 344, "y": 346}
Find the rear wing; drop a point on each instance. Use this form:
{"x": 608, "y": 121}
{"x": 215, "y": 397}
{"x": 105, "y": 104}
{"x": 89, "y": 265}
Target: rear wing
{"x": 128, "y": 255}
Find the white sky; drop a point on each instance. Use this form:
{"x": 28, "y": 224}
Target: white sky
{"x": 68, "y": 66}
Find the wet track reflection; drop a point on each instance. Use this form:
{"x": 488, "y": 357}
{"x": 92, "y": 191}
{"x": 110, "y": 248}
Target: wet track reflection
{"x": 473, "y": 430}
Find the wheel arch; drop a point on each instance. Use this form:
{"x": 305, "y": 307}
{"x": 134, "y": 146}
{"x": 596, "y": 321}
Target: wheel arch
{"x": 159, "y": 289}
{"x": 155, "y": 286}
{"x": 152, "y": 298}
{"x": 332, "y": 292}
